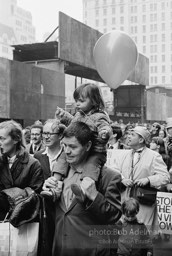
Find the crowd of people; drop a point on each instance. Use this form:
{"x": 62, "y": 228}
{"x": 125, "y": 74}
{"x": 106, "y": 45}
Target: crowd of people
{"x": 87, "y": 198}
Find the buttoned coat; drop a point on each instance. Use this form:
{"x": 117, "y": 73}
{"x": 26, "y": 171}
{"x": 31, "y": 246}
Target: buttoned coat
{"x": 75, "y": 226}
{"x": 25, "y": 172}
{"x": 152, "y": 166}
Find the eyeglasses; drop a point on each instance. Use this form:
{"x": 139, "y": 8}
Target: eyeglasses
{"x": 35, "y": 134}
{"x": 48, "y": 134}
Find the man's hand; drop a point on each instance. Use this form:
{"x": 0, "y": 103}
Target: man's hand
{"x": 89, "y": 188}
{"x": 59, "y": 113}
{"x": 51, "y": 182}
{"x": 142, "y": 182}
{"x": 127, "y": 182}
{"x": 104, "y": 134}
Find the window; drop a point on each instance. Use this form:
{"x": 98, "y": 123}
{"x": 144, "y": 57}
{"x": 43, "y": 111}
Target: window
{"x": 151, "y": 17}
{"x": 155, "y": 80}
{"x": 151, "y": 7}
{"x": 144, "y": 28}
{"x": 105, "y": 30}
{"x": 104, "y": 2}
{"x": 163, "y": 69}
{"x": 163, "y": 79}
{"x": 113, "y": 20}
{"x": 113, "y": 10}
{"x": 144, "y": 39}
{"x": 104, "y": 11}
{"x": 121, "y": 9}
{"x": 104, "y": 22}
{"x": 162, "y": 5}
{"x": 97, "y": 23}
{"x": 143, "y": 8}
{"x": 18, "y": 23}
{"x": 97, "y": 12}
{"x": 144, "y": 49}
{"x": 163, "y": 58}
{"x": 12, "y": 9}
{"x": 163, "y": 47}
{"x": 163, "y": 37}
{"x": 23, "y": 38}
{"x": 151, "y": 27}
{"x": 163, "y": 16}
{"x": 144, "y": 18}
{"x": 163, "y": 26}
{"x": 122, "y": 20}
{"x": 96, "y": 3}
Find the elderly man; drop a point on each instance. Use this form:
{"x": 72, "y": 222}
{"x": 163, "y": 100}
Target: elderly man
{"x": 142, "y": 166}
{"x": 78, "y": 224}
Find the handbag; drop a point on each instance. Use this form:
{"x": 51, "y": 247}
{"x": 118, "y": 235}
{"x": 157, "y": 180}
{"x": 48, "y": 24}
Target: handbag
{"x": 22, "y": 241}
{"x": 22, "y": 210}
{"x": 145, "y": 195}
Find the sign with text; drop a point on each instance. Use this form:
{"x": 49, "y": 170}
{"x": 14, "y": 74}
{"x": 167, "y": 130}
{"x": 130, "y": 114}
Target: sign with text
{"x": 164, "y": 209}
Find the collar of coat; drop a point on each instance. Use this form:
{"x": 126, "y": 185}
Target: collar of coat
{"x": 22, "y": 154}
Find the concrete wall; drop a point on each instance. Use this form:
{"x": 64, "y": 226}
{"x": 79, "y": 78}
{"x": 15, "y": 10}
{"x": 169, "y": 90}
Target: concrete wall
{"x": 28, "y": 92}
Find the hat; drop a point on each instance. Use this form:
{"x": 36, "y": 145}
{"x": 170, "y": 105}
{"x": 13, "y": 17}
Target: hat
{"x": 169, "y": 123}
{"x": 143, "y": 132}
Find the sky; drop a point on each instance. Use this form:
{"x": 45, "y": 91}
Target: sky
{"x": 45, "y": 13}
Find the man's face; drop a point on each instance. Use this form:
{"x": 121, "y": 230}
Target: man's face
{"x": 7, "y": 144}
{"x": 36, "y": 136}
{"x": 169, "y": 131}
{"x": 75, "y": 152}
{"x": 154, "y": 128}
{"x": 133, "y": 139}
{"x": 50, "y": 137}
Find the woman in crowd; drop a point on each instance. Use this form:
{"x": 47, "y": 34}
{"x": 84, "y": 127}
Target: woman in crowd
{"x": 17, "y": 168}
{"x": 157, "y": 144}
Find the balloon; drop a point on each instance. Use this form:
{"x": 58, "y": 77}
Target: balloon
{"x": 115, "y": 55}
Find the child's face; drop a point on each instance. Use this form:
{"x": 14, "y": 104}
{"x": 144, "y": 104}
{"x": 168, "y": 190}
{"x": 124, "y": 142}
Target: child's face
{"x": 130, "y": 217}
{"x": 84, "y": 104}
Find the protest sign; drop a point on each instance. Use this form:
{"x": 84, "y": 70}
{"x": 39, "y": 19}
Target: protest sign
{"x": 164, "y": 209}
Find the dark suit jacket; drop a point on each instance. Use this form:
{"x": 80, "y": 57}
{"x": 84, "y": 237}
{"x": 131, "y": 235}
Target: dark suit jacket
{"x": 44, "y": 161}
{"x": 74, "y": 226}
{"x": 29, "y": 148}
{"x": 47, "y": 227}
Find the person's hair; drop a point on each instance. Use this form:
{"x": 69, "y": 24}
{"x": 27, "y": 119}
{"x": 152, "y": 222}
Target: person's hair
{"x": 38, "y": 126}
{"x": 116, "y": 130}
{"x": 56, "y": 126}
{"x": 27, "y": 135}
{"x": 91, "y": 91}
{"x": 80, "y": 131}
{"x": 15, "y": 132}
{"x": 157, "y": 125}
{"x": 130, "y": 207}
{"x": 165, "y": 134}
{"x": 159, "y": 141}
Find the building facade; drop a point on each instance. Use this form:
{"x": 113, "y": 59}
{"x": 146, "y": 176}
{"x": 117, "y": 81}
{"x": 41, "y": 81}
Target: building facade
{"x": 15, "y": 27}
{"x": 149, "y": 23}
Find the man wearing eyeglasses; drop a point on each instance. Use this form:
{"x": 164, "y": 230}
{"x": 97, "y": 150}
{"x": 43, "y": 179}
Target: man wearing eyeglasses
{"x": 36, "y": 139}
{"x": 51, "y": 135}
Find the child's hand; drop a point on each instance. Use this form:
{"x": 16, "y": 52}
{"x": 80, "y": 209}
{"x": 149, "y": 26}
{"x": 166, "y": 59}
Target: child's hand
{"x": 103, "y": 134}
{"x": 149, "y": 254}
{"x": 59, "y": 112}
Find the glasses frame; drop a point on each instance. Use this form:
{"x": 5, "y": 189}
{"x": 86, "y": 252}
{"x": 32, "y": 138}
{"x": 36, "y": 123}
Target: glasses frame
{"x": 48, "y": 134}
